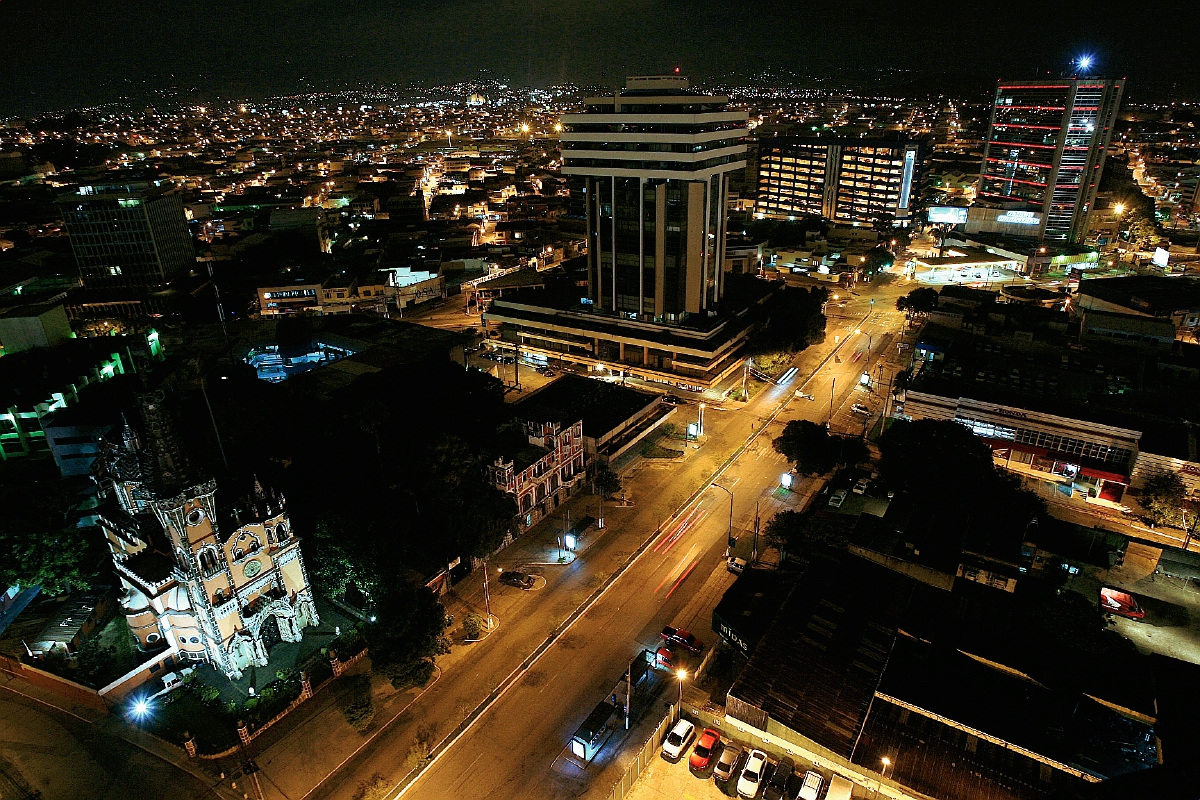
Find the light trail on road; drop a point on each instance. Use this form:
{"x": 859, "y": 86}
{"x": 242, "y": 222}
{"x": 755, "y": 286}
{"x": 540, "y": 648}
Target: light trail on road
{"x": 674, "y": 573}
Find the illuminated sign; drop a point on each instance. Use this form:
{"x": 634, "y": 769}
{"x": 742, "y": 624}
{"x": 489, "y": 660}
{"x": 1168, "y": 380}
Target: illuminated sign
{"x": 910, "y": 157}
{"x": 1160, "y": 257}
{"x": 950, "y": 215}
{"x": 1020, "y": 218}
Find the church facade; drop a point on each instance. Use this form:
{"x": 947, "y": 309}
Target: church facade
{"x": 220, "y": 583}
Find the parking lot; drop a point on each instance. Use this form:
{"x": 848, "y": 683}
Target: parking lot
{"x": 665, "y": 780}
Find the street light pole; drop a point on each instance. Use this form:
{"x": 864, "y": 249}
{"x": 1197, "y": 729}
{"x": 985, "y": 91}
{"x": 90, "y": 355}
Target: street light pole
{"x": 700, "y": 421}
{"x": 487, "y": 599}
{"x": 832, "y": 390}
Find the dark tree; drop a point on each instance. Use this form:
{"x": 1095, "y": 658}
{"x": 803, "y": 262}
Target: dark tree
{"x": 608, "y": 482}
{"x": 919, "y": 301}
{"x": 793, "y": 532}
{"x": 960, "y": 500}
{"x": 1163, "y": 497}
{"x": 807, "y": 445}
{"x": 40, "y": 542}
{"x": 408, "y": 632}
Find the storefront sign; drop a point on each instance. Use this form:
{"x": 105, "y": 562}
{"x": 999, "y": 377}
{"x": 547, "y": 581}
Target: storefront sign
{"x": 1189, "y": 469}
{"x": 1005, "y": 412}
{"x": 1019, "y": 218}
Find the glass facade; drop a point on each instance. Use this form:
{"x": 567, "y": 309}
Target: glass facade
{"x": 131, "y": 239}
{"x": 1045, "y": 148}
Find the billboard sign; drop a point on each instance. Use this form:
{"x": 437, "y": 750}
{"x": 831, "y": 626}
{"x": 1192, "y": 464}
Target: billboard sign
{"x": 1161, "y": 256}
{"x": 948, "y": 215}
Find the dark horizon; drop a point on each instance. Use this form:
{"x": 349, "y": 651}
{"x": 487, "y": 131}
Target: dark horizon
{"x": 70, "y": 55}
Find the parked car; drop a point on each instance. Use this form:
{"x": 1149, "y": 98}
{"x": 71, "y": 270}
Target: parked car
{"x": 861, "y": 486}
{"x": 666, "y": 657}
{"x": 549, "y": 373}
{"x": 810, "y": 788}
{"x": 752, "y": 774}
{"x": 859, "y": 408}
{"x": 837, "y": 498}
{"x": 672, "y": 400}
{"x": 520, "y": 580}
{"x": 778, "y": 786}
{"x": 727, "y": 763}
{"x": 677, "y": 740}
{"x": 702, "y": 753}
{"x": 681, "y": 637}
{"x": 736, "y": 565}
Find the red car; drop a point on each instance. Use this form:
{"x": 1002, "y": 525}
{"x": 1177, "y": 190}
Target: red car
{"x": 702, "y": 753}
{"x": 681, "y": 637}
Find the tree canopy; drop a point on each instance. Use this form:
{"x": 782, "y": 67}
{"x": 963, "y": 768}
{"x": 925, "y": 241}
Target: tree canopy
{"x": 919, "y": 301}
{"x": 813, "y": 450}
{"x": 1163, "y": 497}
{"x": 793, "y": 321}
{"x": 959, "y": 499}
{"x": 40, "y": 543}
{"x": 795, "y": 533}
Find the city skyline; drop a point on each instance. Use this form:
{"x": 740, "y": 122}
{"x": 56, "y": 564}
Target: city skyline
{"x": 281, "y": 49}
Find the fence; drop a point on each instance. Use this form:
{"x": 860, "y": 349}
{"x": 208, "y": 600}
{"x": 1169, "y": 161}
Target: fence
{"x": 644, "y": 757}
{"x": 68, "y": 689}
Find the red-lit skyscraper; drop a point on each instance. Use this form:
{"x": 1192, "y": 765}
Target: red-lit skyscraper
{"x": 1045, "y": 150}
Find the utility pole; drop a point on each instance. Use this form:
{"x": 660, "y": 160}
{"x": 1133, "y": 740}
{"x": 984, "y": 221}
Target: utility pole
{"x": 487, "y": 600}
{"x": 832, "y": 389}
{"x": 754, "y": 553}
{"x": 628, "y": 692}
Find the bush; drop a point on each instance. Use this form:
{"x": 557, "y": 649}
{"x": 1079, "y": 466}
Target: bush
{"x": 473, "y": 625}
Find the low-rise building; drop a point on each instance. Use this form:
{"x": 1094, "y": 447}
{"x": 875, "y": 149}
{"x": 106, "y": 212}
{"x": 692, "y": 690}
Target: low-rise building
{"x": 541, "y": 475}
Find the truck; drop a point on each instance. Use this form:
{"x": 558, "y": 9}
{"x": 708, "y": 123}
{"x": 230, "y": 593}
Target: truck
{"x": 1121, "y": 603}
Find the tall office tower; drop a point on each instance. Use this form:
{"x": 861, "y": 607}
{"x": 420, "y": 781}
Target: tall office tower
{"x": 844, "y": 179}
{"x": 1045, "y": 150}
{"x": 656, "y": 159}
{"x": 127, "y": 236}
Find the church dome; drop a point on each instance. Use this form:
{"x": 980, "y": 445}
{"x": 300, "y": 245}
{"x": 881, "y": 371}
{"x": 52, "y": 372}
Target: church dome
{"x": 176, "y": 599}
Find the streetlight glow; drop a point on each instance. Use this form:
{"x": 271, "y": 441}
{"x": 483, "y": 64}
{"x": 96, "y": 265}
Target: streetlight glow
{"x": 1119, "y": 209}
{"x": 141, "y": 708}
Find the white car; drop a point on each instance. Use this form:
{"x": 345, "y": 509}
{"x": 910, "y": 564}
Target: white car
{"x": 811, "y": 787}
{"x": 838, "y": 497}
{"x": 677, "y": 740}
{"x": 861, "y": 486}
{"x": 859, "y": 408}
{"x": 752, "y": 773}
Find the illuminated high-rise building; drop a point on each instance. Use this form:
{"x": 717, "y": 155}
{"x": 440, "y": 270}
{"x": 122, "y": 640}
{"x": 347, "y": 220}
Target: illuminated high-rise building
{"x": 845, "y": 179}
{"x": 1045, "y": 150}
{"x": 656, "y": 159}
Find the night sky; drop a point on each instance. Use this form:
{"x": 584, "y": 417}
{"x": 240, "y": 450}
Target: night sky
{"x": 56, "y": 54}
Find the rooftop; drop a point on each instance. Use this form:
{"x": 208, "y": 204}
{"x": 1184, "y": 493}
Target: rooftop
{"x": 826, "y": 651}
{"x": 1147, "y": 294}
{"x": 601, "y": 405}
